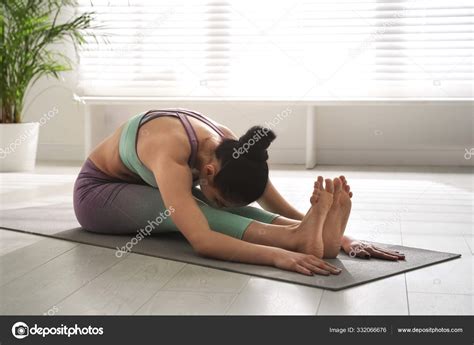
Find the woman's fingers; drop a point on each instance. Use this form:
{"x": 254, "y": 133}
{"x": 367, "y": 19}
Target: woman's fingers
{"x": 386, "y": 250}
{"x": 362, "y": 253}
{"x": 323, "y": 264}
{"x": 303, "y": 270}
{"x": 381, "y": 255}
{"x": 332, "y": 269}
{"x": 396, "y": 253}
{"x": 328, "y": 267}
{"x": 332, "y": 266}
{"x": 315, "y": 269}
{"x": 401, "y": 256}
{"x": 367, "y": 250}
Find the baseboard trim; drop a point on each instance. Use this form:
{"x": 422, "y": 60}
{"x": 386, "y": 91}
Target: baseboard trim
{"x": 402, "y": 157}
{"x": 287, "y": 156}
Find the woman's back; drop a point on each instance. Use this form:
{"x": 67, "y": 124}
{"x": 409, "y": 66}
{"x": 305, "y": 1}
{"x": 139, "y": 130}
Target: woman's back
{"x": 107, "y": 157}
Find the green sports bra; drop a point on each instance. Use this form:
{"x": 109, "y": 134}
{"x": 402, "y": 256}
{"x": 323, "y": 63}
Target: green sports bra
{"x": 128, "y": 139}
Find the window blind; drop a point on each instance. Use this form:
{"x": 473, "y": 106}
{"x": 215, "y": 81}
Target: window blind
{"x": 280, "y": 49}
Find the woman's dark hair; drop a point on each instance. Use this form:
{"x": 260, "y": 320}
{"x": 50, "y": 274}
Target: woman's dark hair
{"x": 244, "y": 170}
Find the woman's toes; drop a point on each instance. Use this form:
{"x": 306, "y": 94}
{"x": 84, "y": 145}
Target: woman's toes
{"x": 347, "y": 189}
{"x": 329, "y": 186}
{"x": 320, "y": 181}
{"x": 337, "y": 185}
{"x": 315, "y": 196}
{"x": 316, "y": 192}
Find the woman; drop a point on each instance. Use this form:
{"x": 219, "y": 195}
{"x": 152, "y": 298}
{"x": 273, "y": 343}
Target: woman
{"x": 152, "y": 164}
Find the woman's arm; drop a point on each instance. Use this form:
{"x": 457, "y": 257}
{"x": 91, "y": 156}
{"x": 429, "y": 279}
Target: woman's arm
{"x": 273, "y": 201}
{"x": 174, "y": 180}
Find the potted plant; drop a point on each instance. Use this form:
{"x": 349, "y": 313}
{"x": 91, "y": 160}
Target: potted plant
{"x": 29, "y": 29}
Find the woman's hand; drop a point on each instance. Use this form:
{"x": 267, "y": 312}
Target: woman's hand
{"x": 356, "y": 248}
{"x": 303, "y": 263}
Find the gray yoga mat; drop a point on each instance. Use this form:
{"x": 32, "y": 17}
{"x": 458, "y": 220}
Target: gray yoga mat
{"x": 58, "y": 221}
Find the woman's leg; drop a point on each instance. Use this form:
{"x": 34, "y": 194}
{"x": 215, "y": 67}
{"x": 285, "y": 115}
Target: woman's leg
{"x": 254, "y": 213}
{"x": 266, "y": 228}
{"x": 305, "y": 237}
{"x": 333, "y": 230}
{"x": 262, "y": 216}
{"x": 122, "y": 208}
{"x": 273, "y": 230}
{"x": 105, "y": 205}
{"x": 280, "y": 220}
{"x": 337, "y": 218}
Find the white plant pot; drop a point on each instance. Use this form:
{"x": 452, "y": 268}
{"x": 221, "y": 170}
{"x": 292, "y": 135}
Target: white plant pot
{"x": 18, "y": 146}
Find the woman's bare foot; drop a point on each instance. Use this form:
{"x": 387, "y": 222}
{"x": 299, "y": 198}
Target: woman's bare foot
{"x": 346, "y": 188}
{"x": 310, "y": 231}
{"x": 337, "y": 218}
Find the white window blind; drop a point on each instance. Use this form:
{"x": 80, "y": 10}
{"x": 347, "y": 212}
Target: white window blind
{"x": 280, "y": 49}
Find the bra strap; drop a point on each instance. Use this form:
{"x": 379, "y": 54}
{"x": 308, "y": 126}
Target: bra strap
{"x": 192, "y": 138}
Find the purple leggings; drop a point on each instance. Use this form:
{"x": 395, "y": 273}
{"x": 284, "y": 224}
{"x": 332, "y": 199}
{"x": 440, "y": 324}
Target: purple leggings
{"x": 108, "y": 205}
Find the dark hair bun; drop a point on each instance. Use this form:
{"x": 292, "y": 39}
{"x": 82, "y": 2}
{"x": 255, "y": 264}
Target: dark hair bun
{"x": 255, "y": 143}
{"x": 243, "y": 175}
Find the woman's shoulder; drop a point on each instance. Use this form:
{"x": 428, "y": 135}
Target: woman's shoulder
{"x": 227, "y": 132}
{"x": 163, "y": 139}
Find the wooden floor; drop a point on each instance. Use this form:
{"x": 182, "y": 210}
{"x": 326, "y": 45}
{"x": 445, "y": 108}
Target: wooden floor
{"x": 424, "y": 207}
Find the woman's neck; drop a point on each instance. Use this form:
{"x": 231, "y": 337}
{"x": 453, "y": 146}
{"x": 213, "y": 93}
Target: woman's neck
{"x": 206, "y": 150}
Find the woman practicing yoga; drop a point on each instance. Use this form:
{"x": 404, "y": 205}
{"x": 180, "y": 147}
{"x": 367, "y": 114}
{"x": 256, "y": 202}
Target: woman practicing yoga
{"x": 150, "y": 168}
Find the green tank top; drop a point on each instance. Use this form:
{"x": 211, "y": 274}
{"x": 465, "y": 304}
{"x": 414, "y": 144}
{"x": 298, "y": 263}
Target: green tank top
{"x": 128, "y": 139}
{"x": 128, "y": 150}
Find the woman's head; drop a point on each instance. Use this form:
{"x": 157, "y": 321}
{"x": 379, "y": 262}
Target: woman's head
{"x": 243, "y": 170}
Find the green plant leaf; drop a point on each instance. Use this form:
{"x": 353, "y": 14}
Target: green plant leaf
{"x": 29, "y": 30}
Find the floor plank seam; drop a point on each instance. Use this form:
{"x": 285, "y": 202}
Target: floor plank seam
{"x": 467, "y": 242}
{"x": 88, "y": 282}
{"x": 226, "y": 311}
{"x": 158, "y": 290}
{"x": 36, "y": 267}
{"x": 406, "y": 293}
{"x": 320, "y": 301}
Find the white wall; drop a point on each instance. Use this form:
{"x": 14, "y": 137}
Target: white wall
{"x": 434, "y": 134}
{"x": 62, "y": 137}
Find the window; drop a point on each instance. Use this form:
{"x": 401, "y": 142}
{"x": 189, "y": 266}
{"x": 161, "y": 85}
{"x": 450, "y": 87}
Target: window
{"x": 280, "y": 49}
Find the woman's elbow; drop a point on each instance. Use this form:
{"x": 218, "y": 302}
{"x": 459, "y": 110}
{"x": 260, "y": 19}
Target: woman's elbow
{"x": 202, "y": 246}
{"x": 202, "y": 249}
